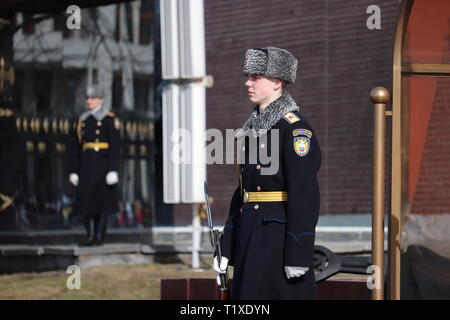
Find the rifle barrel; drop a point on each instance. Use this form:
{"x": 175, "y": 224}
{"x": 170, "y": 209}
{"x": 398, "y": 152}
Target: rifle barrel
{"x": 224, "y": 292}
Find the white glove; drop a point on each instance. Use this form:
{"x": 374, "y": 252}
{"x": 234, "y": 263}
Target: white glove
{"x": 222, "y": 269}
{"x": 223, "y": 265}
{"x": 73, "y": 178}
{"x": 292, "y": 272}
{"x": 112, "y": 178}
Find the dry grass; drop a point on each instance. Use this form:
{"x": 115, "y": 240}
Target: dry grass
{"x": 113, "y": 282}
{"x": 124, "y": 282}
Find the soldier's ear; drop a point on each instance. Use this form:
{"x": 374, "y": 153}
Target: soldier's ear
{"x": 278, "y": 84}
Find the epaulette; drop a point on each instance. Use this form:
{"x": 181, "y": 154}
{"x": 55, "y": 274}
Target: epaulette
{"x": 80, "y": 121}
{"x": 291, "y": 118}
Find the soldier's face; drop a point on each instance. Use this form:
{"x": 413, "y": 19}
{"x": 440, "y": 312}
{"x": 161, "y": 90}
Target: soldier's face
{"x": 261, "y": 89}
{"x": 93, "y": 103}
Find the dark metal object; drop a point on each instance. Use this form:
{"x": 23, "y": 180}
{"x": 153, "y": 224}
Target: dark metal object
{"x": 327, "y": 264}
{"x": 224, "y": 292}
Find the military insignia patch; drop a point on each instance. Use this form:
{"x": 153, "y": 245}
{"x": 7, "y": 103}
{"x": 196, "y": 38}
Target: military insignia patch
{"x": 301, "y": 146}
{"x": 302, "y": 132}
{"x": 291, "y": 118}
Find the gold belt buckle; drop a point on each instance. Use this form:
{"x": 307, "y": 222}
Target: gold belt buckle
{"x": 246, "y": 196}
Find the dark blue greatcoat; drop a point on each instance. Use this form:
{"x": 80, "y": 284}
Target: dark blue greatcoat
{"x": 260, "y": 238}
{"x": 94, "y": 196}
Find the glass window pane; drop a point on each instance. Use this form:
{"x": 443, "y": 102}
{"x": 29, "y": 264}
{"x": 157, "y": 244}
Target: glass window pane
{"x": 429, "y": 144}
{"x": 428, "y": 32}
{"x": 426, "y": 219}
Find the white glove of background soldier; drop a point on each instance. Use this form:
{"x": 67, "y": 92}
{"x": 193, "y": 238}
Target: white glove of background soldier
{"x": 292, "y": 272}
{"x": 222, "y": 269}
{"x": 112, "y": 178}
{"x": 73, "y": 178}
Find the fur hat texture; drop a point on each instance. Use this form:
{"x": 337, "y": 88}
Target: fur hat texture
{"x": 271, "y": 62}
{"x": 94, "y": 91}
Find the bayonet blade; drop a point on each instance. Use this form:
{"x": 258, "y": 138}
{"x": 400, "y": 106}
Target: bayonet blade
{"x": 208, "y": 208}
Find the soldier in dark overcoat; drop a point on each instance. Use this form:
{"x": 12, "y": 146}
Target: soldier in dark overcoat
{"x": 269, "y": 234}
{"x": 96, "y": 164}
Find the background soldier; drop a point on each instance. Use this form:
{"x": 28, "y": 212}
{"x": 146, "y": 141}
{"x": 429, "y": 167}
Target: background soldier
{"x": 97, "y": 156}
{"x": 269, "y": 235}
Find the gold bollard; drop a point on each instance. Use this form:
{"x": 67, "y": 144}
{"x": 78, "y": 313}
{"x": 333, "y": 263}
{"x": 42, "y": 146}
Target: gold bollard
{"x": 380, "y": 97}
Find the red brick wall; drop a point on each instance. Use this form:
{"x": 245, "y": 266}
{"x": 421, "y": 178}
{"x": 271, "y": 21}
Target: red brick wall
{"x": 432, "y": 194}
{"x": 427, "y": 40}
{"x": 340, "y": 61}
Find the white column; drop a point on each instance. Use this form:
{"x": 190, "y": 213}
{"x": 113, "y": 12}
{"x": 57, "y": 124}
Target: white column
{"x": 171, "y": 147}
{"x": 183, "y": 60}
{"x": 196, "y": 237}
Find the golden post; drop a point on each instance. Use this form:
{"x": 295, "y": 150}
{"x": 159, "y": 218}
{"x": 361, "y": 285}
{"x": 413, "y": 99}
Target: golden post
{"x": 380, "y": 96}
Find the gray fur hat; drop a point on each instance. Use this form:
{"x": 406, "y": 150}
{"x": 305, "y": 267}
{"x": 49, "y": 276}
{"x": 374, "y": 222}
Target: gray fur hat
{"x": 271, "y": 62}
{"x": 94, "y": 91}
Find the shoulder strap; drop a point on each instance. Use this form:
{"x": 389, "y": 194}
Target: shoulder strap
{"x": 291, "y": 117}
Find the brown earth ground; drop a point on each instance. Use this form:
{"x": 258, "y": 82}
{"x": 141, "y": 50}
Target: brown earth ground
{"x": 124, "y": 282}
{"x": 110, "y": 282}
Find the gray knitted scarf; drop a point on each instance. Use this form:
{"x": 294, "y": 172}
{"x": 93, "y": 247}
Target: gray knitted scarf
{"x": 98, "y": 114}
{"x": 261, "y": 122}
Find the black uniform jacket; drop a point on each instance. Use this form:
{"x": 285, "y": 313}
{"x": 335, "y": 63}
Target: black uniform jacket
{"x": 260, "y": 238}
{"x": 94, "y": 196}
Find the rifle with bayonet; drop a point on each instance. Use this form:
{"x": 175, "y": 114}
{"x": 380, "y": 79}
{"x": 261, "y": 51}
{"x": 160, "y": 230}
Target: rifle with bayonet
{"x": 224, "y": 291}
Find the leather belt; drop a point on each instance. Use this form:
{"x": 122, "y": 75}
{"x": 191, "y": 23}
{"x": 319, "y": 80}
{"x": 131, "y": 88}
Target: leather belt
{"x": 265, "y": 196}
{"x": 95, "y": 145}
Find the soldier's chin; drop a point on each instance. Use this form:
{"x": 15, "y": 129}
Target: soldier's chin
{"x": 253, "y": 99}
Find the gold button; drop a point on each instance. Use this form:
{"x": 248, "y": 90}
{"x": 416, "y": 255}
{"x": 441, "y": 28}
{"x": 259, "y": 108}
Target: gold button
{"x": 97, "y": 131}
{"x": 258, "y": 188}
{"x": 99, "y": 123}
{"x": 256, "y": 207}
{"x": 263, "y": 145}
{"x": 258, "y": 167}
{"x": 96, "y": 149}
{"x": 245, "y": 200}
{"x": 241, "y": 210}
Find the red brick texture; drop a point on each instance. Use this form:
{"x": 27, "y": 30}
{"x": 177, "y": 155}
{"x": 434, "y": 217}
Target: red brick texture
{"x": 432, "y": 194}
